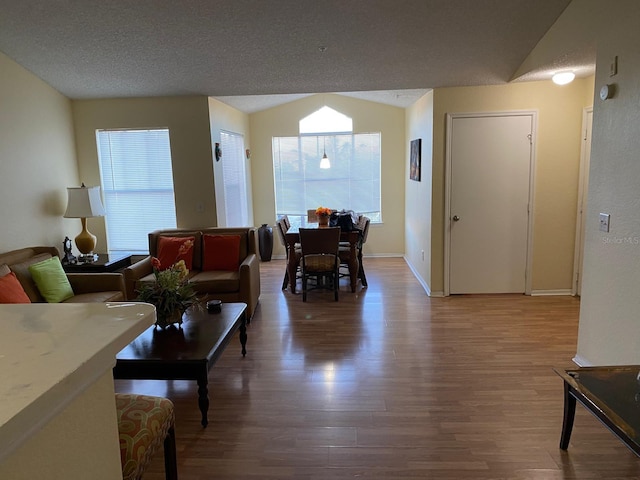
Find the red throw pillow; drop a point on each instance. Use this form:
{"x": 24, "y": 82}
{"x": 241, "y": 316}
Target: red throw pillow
{"x": 11, "y": 290}
{"x": 174, "y": 249}
{"x": 221, "y": 252}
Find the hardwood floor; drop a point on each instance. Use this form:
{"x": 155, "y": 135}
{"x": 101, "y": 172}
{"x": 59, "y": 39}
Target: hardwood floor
{"x": 389, "y": 383}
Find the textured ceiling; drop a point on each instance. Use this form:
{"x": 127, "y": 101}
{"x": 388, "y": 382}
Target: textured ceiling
{"x": 248, "y": 48}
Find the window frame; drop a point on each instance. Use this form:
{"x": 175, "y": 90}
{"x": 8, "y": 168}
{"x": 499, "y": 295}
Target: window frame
{"x": 300, "y": 218}
{"x": 122, "y": 172}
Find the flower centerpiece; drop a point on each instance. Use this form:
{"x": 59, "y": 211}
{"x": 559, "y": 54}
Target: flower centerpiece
{"x": 323, "y": 215}
{"x": 170, "y": 292}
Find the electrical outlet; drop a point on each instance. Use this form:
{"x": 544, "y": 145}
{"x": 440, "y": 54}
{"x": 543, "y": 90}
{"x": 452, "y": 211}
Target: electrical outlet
{"x": 604, "y": 222}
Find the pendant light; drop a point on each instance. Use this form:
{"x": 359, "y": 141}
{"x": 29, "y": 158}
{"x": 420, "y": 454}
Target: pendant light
{"x": 324, "y": 163}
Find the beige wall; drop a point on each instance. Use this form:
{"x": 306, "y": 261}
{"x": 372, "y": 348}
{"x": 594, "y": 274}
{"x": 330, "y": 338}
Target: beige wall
{"x": 37, "y": 160}
{"x": 418, "y": 197}
{"x": 384, "y": 239}
{"x": 224, "y": 117}
{"x": 557, "y": 150}
{"x": 188, "y": 121}
{"x": 609, "y": 331}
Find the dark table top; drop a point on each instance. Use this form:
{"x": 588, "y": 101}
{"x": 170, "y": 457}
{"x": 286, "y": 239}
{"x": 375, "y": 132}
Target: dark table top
{"x": 104, "y": 263}
{"x": 613, "y": 390}
{"x": 201, "y": 337}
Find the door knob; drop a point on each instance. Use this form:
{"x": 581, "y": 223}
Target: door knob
{"x": 456, "y": 218}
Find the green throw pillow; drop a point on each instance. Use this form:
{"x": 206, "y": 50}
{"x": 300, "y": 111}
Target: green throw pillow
{"x": 51, "y": 280}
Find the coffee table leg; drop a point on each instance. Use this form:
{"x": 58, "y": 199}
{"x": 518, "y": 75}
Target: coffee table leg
{"x": 203, "y": 398}
{"x": 243, "y": 338}
{"x": 569, "y": 415}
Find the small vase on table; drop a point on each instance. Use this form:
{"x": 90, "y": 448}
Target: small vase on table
{"x": 323, "y": 220}
{"x": 165, "y": 319}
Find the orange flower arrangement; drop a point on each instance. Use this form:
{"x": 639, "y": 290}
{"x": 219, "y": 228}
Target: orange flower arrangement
{"x": 323, "y": 211}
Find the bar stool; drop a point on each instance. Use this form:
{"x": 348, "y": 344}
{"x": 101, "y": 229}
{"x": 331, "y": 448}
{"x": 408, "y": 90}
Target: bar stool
{"x": 144, "y": 423}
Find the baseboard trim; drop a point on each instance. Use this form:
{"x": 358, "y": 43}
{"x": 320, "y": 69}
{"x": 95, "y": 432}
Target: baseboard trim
{"x": 581, "y": 361}
{"x": 542, "y": 293}
{"x": 421, "y": 281}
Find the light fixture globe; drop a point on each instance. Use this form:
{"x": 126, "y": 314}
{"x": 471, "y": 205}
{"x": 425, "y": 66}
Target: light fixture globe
{"x": 324, "y": 162}
{"x": 563, "y": 78}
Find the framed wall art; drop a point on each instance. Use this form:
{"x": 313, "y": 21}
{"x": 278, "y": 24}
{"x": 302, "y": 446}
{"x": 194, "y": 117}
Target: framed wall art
{"x": 415, "y": 160}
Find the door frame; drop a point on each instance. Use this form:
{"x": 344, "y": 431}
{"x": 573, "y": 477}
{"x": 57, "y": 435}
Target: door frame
{"x": 583, "y": 187}
{"x": 448, "y": 187}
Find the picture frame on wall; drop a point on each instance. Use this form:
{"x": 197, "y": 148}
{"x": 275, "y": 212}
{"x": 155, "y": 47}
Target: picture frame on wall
{"x": 415, "y": 159}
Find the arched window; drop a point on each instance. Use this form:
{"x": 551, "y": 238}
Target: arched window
{"x": 350, "y": 180}
{"x": 325, "y": 120}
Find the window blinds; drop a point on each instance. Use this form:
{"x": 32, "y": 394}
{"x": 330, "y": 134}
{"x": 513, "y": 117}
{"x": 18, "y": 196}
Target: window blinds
{"x": 137, "y": 182}
{"x": 352, "y": 182}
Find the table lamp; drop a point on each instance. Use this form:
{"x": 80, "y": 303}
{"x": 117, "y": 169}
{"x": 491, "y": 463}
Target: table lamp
{"x": 84, "y": 202}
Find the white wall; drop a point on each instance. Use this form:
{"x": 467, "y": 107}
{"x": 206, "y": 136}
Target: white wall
{"x": 37, "y": 160}
{"x": 418, "y": 201}
{"x": 609, "y": 331}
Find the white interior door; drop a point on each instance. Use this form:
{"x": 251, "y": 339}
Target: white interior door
{"x": 583, "y": 189}
{"x": 490, "y": 165}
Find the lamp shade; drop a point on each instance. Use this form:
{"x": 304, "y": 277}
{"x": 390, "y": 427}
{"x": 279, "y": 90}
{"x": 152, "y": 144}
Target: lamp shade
{"x": 84, "y": 202}
{"x": 324, "y": 162}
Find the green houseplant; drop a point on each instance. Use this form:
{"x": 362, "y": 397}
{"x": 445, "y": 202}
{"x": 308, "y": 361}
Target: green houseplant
{"x": 170, "y": 293}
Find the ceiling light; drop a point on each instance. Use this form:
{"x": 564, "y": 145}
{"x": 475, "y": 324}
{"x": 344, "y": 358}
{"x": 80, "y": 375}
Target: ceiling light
{"x": 562, "y": 78}
{"x": 325, "y": 163}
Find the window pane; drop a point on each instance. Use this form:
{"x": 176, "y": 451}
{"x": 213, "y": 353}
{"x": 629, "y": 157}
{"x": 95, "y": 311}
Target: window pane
{"x": 234, "y": 180}
{"x": 351, "y": 183}
{"x": 137, "y": 182}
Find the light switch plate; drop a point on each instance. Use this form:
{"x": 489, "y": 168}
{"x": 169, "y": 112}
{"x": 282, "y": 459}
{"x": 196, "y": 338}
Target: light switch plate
{"x": 604, "y": 222}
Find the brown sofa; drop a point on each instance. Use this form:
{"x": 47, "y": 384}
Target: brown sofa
{"x": 237, "y": 286}
{"x": 87, "y": 287}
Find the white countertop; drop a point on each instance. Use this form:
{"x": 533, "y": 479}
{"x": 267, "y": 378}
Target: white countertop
{"x": 50, "y": 353}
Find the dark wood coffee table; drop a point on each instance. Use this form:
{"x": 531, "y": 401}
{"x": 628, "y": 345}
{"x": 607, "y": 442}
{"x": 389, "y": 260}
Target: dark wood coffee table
{"x": 186, "y": 353}
{"x": 612, "y": 394}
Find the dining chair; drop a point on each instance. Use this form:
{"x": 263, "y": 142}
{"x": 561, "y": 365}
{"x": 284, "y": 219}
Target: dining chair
{"x": 363, "y": 225}
{"x": 281, "y": 227}
{"x": 345, "y": 251}
{"x": 311, "y": 216}
{"x": 320, "y": 258}
{"x": 286, "y": 222}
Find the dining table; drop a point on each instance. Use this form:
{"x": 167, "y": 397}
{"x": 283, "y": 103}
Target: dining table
{"x": 293, "y": 237}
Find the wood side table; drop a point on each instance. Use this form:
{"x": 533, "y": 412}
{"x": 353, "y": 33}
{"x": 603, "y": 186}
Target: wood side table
{"x": 611, "y": 394}
{"x": 104, "y": 263}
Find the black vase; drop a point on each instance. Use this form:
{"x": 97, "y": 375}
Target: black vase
{"x": 265, "y": 242}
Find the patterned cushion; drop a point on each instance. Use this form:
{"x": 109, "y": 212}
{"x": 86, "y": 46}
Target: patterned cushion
{"x": 143, "y": 424}
{"x": 319, "y": 263}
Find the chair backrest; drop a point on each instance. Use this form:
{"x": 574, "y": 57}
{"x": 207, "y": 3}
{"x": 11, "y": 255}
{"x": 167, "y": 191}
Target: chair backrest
{"x": 314, "y": 241}
{"x": 286, "y": 222}
{"x": 281, "y": 228}
{"x": 311, "y": 216}
{"x": 363, "y": 225}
